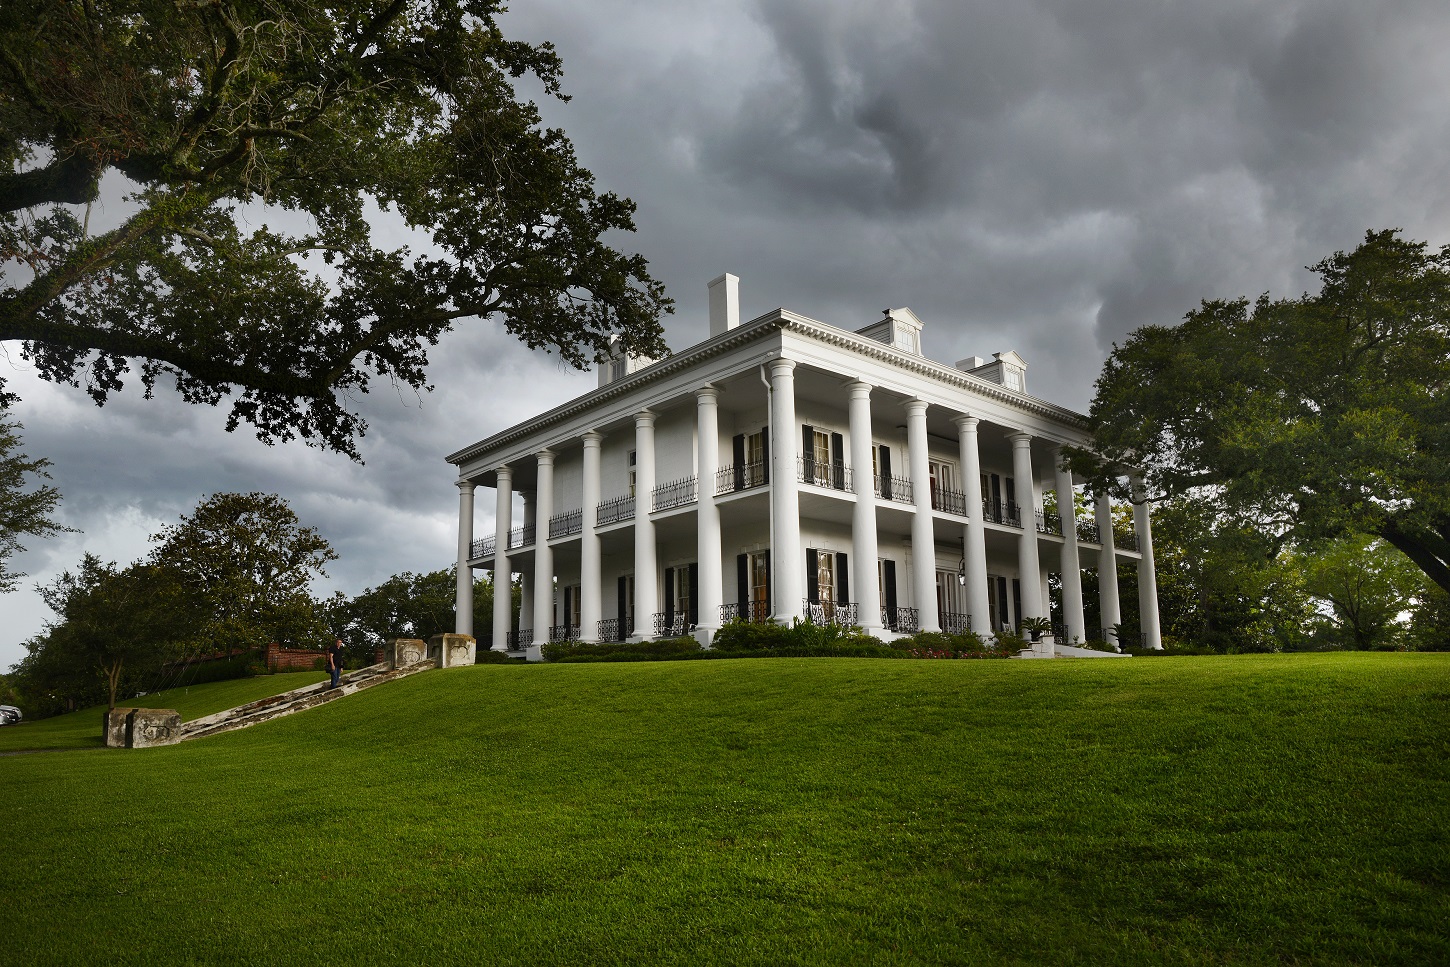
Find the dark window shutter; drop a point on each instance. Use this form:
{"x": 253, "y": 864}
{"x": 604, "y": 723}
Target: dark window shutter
{"x": 1017, "y": 600}
{"x": 885, "y": 463}
{"x": 568, "y": 610}
{"x": 694, "y": 614}
{"x": 1004, "y": 620}
{"x": 739, "y": 449}
{"x": 669, "y": 598}
{"x": 765, "y": 452}
{"x": 888, "y": 578}
{"x": 1011, "y": 492}
{"x": 997, "y": 495}
{"x": 843, "y": 581}
{"x": 623, "y": 606}
{"x": 813, "y": 567}
{"x": 742, "y": 589}
{"x": 769, "y": 597}
{"x": 808, "y": 452}
{"x": 838, "y": 461}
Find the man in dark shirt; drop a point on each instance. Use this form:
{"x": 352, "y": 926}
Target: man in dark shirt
{"x": 334, "y": 662}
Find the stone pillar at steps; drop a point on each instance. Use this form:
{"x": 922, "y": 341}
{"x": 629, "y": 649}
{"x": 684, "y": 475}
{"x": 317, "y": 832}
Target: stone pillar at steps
{"x": 114, "y": 730}
{"x": 450, "y": 651}
{"x": 403, "y": 652}
{"x": 147, "y": 727}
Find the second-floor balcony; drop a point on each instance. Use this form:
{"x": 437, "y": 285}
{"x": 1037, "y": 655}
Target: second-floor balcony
{"x": 566, "y": 524}
{"x": 836, "y": 476}
{"x": 614, "y": 510}
{"x": 948, "y": 501}
{"x": 676, "y": 493}
{"x": 1001, "y": 512}
{"x": 1049, "y": 524}
{"x": 894, "y": 488}
{"x": 522, "y": 536}
{"x": 482, "y": 548}
{"x": 741, "y": 476}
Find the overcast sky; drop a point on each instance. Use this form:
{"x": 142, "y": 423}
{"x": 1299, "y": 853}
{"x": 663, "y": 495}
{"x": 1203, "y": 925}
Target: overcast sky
{"x": 1037, "y": 176}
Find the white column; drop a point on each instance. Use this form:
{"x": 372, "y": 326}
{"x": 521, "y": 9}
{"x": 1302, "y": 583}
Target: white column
{"x": 1147, "y": 575}
{"x": 646, "y": 594}
{"x": 591, "y": 578}
{"x": 923, "y": 526}
{"x": 1108, "y": 602}
{"x": 789, "y": 564}
{"x": 463, "y": 595}
{"x": 503, "y": 604}
{"x": 1029, "y": 570}
{"x": 543, "y": 555}
{"x": 975, "y": 533}
{"x": 707, "y": 514}
{"x": 1071, "y": 565}
{"x": 527, "y": 631}
{"x": 863, "y": 515}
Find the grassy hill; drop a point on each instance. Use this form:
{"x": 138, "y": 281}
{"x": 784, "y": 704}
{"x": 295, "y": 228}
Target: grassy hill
{"x": 1253, "y": 809}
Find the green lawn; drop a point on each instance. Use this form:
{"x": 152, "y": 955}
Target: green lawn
{"x": 1238, "y": 810}
{"x": 82, "y": 730}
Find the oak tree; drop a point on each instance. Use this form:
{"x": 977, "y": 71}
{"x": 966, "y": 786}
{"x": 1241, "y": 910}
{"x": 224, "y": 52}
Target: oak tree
{"x": 1305, "y": 418}
{"x": 255, "y": 143}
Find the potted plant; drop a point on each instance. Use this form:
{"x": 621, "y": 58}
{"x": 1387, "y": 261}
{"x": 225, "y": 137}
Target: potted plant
{"x": 1037, "y": 627}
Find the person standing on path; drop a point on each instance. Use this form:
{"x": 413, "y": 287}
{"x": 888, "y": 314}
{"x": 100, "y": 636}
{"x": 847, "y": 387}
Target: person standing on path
{"x": 334, "y": 662}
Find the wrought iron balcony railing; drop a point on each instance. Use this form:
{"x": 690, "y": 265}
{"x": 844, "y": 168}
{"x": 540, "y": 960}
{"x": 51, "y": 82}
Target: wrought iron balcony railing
{"x": 521, "y": 639}
{"x": 566, "y": 524}
{"x": 482, "y": 547}
{"x": 755, "y": 612}
{"x": 614, "y": 510}
{"x": 903, "y": 621}
{"x": 1049, "y": 524}
{"x": 522, "y": 536}
{"x": 1001, "y": 512}
{"x": 894, "y": 488}
{"x": 955, "y": 623}
{"x": 829, "y": 613}
{"x": 1087, "y": 532}
{"x": 564, "y": 633}
{"x": 676, "y": 493}
{"x": 670, "y": 626}
{"x": 613, "y": 629}
{"x": 1125, "y": 541}
{"x": 836, "y": 476}
{"x": 740, "y": 476}
{"x": 948, "y": 501}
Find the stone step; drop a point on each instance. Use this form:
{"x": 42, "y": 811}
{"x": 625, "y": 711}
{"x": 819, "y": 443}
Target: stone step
{"x": 297, "y": 700}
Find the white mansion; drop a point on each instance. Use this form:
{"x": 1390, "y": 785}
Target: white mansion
{"x": 786, "y": 468}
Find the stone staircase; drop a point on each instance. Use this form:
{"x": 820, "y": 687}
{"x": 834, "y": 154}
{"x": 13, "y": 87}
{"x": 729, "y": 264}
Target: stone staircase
{"x": 297, "y": 700}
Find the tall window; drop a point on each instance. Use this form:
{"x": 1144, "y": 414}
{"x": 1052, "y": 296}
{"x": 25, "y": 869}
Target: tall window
{"x": 822, "y": 458}
{"x": 826, "y": 580}
{"x": 682, "y": 590}
{"x": 631, "y": 473}
{"x": 941, "y": 479}
{"x": 759, "y": 567}
{"x": 755, "y": 459}
{"x": 948, "y": 593}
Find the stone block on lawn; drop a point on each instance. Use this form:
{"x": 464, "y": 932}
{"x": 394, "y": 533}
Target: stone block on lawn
{"x": 114, "y": 731}
{"x": 146, "y": 727}
{"x": 450, "y": 651}
{"x": 406, "y": 651}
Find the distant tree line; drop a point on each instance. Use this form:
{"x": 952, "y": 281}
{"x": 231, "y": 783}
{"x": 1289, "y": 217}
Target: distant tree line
{"x": 218, "y": 586}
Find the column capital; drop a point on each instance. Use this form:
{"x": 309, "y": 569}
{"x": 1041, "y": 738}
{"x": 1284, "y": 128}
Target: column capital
{"x": 781, "y": 367}
{"x": 915, "y": 407}
{"x": 466, "y": 486}
{"x": 1021, "y": 439}
{"x": 709, "y": 392}
{"x": 592, "y": 438}
{"x": 504, "y": 472}
{"x": 644, "y": 418}
{"x": 545, "y": 456}
{"x": 859, "y": 389}
{"x": 967, "y": 423}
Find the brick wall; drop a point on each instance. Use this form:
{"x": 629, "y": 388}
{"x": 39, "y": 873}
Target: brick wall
{"x": 281, "y": 659}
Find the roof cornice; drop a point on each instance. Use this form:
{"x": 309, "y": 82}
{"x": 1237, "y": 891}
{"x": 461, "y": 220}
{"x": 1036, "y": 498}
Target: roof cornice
{"x": 779, "y": 319}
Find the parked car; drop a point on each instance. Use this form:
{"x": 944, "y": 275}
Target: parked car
{"x": 9, "y": 715}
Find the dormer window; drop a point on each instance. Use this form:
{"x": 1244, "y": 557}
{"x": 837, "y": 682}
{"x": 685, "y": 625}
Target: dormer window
{"x": 1012, "y": 378}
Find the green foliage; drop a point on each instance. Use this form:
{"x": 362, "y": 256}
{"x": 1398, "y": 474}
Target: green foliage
{"x": 665, "y": 649}
{"x": 247, "y": 563}
{"x": 1368, "y": 584}
{"x": 802, "y": 639}
{"x": 24, "y": 508}
{"x": 1302, "y": 419}
{"x": 965, "y": 644}
{"x": 225, "y": 119}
